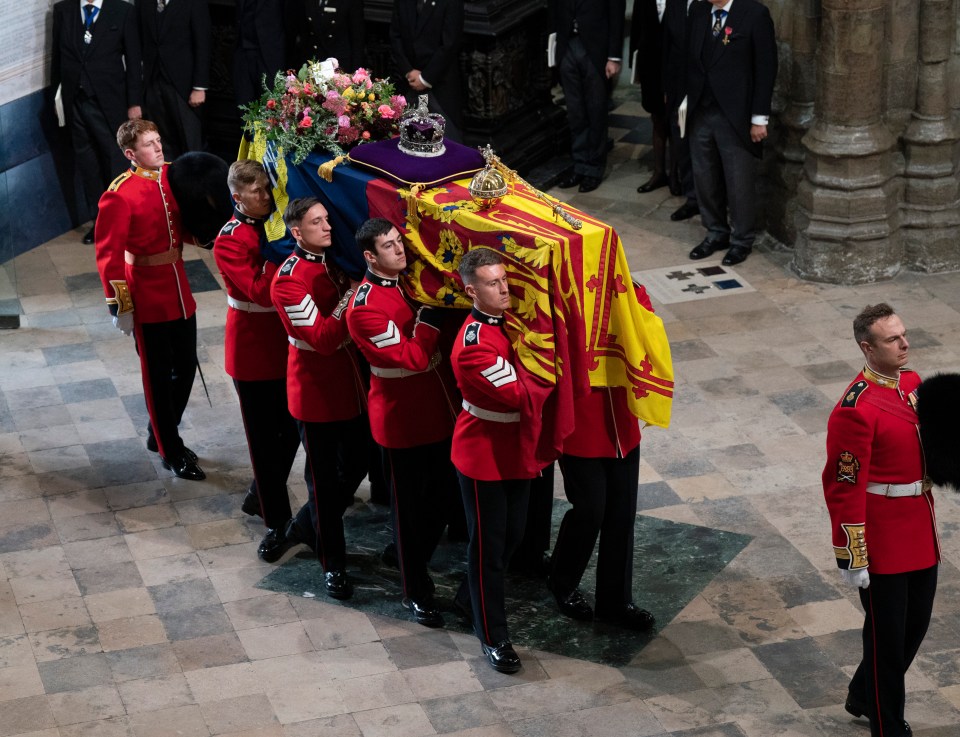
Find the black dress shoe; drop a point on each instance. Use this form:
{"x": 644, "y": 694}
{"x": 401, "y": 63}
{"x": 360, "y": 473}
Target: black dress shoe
{"x": 854, "y": 706}
{"x": 337, "y": 584}
{"x": 88, "y": 237}
{"x": 589, "y": 184}
{"x": 653, "y": 183}
{"x": 686, "y": 211}
{"x": 571, "y": 179}
{"x": 707, "y": 247}
{"x": 630, "y": 617}
{"x": 573, "y": 605}
{"x": 154, "y": 448}
{"x": 184, "y": 468}
{"x": 251, "y": 502}
{"x": 274, "y": 544}
{"x": 736, "y": 255}
{"x": 502, "y": 657}
{"x": 425, "y": 612}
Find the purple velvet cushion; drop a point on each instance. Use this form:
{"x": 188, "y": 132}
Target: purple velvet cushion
{"x": 384, "y": 159}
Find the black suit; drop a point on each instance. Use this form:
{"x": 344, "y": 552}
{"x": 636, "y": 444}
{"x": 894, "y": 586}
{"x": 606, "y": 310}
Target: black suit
{"x": 261, "y": 47}
{"x": 646, "y": 40}
{"x": 582, "y": 59}
{"x": 99, "y": 81}
{"x": 429, "y": 40}
{"x": 729, "y": 79}
{"x": 319, "y": 29}
{"x": 176, "y": 60}
{"x": 674, "y": 33}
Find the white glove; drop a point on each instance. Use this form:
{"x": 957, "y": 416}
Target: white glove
{"x": 124, "y": 322}
{"x": 859, "y": 578}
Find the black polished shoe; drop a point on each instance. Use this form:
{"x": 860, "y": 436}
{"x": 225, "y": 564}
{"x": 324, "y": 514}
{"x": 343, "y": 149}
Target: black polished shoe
{"x": 274, "y": 544}
{"x": 589, "y": 184}
{"x": 686, "y": 211}
{"x": 854, "y": 706}
{"x": 251, "y": 502}
{"x": 184, "y": 468}
{"x": 736, "y": 255}
{"x": 425, "y": 612}
{"x": 337, "y": 584}
{"x": 573, "y": 605}
{"x": 154, "y": 448}
{"x": 502, "y": 657}
{"x": 630, "y": 617}
{"x": 707, "y": 247}
{"x": 653, "y": 183}
{"x": 88, "y": 237}
{"x": 570, "y": 179}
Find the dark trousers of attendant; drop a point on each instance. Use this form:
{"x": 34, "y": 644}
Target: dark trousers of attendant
{"x": 98, "y": 158}
{"x": 168, "y": 365}
{"x": 897, "y": 610}
{"x": 273, "y": 440}
{"x": 496, "y": 517}
{"x": 420, "y": 477}
{"x": 528, "y": 558}
{"x": 320, "y": 521}
{"x": 180, "y": 125}
{"x": 603, "y": 492}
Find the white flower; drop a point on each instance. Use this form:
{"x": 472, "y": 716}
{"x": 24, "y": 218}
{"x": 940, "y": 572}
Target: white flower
{"x": 322, "y": 72}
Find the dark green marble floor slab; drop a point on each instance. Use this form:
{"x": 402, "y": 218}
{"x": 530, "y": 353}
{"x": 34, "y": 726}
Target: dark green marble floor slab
{"x": 673, "y": 562}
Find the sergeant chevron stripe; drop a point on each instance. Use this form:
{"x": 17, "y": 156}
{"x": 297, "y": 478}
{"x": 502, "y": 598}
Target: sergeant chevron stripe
{"x": 389, "y": 337}
{"x": 502, "y": 372}
{"x": 303, "y": 314}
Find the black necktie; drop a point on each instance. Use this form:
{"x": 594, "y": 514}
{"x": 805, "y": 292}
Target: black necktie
{"x": 718, "y": 23}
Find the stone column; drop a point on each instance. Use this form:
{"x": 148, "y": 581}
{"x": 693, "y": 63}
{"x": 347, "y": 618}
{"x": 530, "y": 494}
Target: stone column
{"x": 931, "y": 211}
{"x": 801, "y": 19}
{"x": 848, "y": 199}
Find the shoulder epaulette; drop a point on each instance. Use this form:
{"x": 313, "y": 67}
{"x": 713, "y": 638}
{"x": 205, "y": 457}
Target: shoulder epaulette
{"x": 360, "y": 298}
{"x": 853, "y": 393}
{"x": 229, "y": 227}
{"x": 121, "y": 178}
{"x": 287, "y": 268}
{"x": 471, "y": 336}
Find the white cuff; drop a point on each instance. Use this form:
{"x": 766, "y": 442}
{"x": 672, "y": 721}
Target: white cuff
{"x": 759, "y": 120}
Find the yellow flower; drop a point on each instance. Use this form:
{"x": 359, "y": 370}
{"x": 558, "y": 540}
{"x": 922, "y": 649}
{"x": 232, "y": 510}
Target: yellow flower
{"x": 348, "y": 93}
{"x": 371, "y": 97}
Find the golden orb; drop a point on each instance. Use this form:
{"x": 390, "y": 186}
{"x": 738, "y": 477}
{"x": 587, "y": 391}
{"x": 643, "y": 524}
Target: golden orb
{"x": 488, "y": 187}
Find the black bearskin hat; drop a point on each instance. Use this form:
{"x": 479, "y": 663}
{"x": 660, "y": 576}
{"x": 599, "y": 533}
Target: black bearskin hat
{"x": 938, "y": 407}
{"x": 199, "y": 182}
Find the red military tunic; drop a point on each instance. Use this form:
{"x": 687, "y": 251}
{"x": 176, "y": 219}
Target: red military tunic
{"x": 323, "y": 381}
{"x": 605, "y": 427}
{"x": 255, "y": 337}
{"x": 139, "y": 222}
{"x": 490, "y": 381}
{"x": 416, "y": 407}
{"x": 873, "y": 437}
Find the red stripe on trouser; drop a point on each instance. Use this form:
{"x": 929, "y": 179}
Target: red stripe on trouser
{"x": 876, "y": 684}
{"x": 316, "y": 498}
{"x": 483, "y": 605}
{"x": 147, "y": 386}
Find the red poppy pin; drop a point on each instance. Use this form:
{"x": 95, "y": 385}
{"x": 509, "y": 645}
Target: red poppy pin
{"x": 727, "y": 32}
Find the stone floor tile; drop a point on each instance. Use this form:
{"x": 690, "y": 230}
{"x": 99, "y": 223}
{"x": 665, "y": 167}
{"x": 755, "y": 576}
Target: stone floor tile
{"x": 238, "y": 584}
{"x": 20, "y": 681}
{"x": 292, "y": 670}
{"x": 183, "y": 721}
{"x": 374, "y": 692}
{"x": 152, "y": 517}
{"x": 824, "y": 617}
{"x": 95, "y": 553}
{"x": 158, "y": 692}
{"x": 275, "y": 641}
{"x": 355, "y": 661}
{"x": 130, "y": 632}
{"x": 223, "y": 682}
{"x": 85, "y": 705}
{"x": 627, "y": 718}
{"x": 442, "y": 680}
{"x": 26, "y": 537}
{"x": 159, "y": 543}
{"x": 113, "y": 727}
{"x": 453, "y": 714}
{"x": 21, "y": 716}
{"x": 65, "y": 642}
{"x": 304, "y": 702}
{"x": 75, "y": 673}
{"x": 122, "y": 603}
{"x": 148, "y": 661}
{"x": 186, "y": 624}
{"x": 728, "y": 666}
{"x": 222, "y": 532}
{"x": 428, "y": 648}
{"x": 44, "y": 587}
{"x": 106, "y": 578}
{"x": 238, "y": 714}
{"x": 341, "y": 725}
{"x": 87, "y": 527}
{"x": 54, "y": 614}
{"x": 15, "y": 651}
{"x": 210, "y": 651}
{"x": 394, "y": 721}
{"x": 327, "y": 631}
{"x": 171, "y": 569}
{"x": 24, "y": 512}
{"x": 261, "y": 611}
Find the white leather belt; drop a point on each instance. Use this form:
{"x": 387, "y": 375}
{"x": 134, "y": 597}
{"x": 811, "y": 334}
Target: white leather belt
{"x": 301, "y": 344}
{"x": 399, "y": 373}
{"x": 238, "y": 304}
{"x": 488, "y": 414}
{"x": 897, "y": 490}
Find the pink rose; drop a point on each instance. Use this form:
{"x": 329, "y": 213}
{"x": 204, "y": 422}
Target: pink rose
{"x": 360, "y": 75}
{"x": 343, "y": 121}
{"x": 366, "y": 135}
{"x": 271, "y": 104}
{"x": 306, "y": 122}
{"x": 386, "y": 112}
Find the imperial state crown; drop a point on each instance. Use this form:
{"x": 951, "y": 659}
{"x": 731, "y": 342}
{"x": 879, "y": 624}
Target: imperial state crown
{"x": 421, "y": 132}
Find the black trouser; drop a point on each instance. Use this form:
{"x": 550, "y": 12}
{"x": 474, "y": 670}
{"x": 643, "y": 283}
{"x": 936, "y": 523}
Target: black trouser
{"x": 273, "y": 439}
{"x": 336, "y": 459}
{"x": 168, "y": 364}
{"x": 585, "y": 91}
{"x": 680, "y": 158}
{"x": 528, "y": 557}
{"x": 98, "y": 157}
{"x": 420, "y": 478}
{"x": 603, "y": 492}
{"x": 496, "y": 516}
{"x": 897, "y": 610}
{"x": 179, "y": 124}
